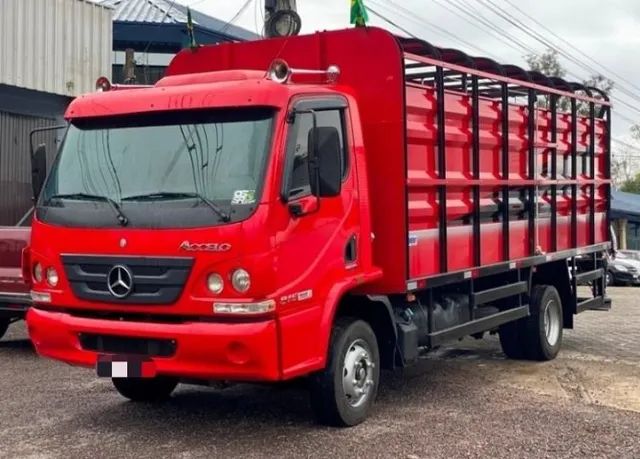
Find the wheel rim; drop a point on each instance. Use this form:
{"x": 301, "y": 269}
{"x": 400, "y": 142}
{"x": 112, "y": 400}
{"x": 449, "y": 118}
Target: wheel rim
{"x": 609, "y": 279}
{"x": 357, "y": 373}
{"x": 552, "y": 322}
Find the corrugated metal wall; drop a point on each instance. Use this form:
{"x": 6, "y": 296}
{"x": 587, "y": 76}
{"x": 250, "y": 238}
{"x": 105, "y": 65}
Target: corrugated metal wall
{"x": 15, "y": 168}
{"x": 55, "y": 46}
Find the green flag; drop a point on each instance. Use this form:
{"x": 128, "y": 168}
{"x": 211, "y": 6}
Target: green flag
{"x": 359, "y": 15}
{"x": 192, "y": 37}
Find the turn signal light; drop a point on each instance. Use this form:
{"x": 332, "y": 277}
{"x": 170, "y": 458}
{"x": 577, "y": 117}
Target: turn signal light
{"x": 40, "y": 297}
{"x": 245, "y": 308}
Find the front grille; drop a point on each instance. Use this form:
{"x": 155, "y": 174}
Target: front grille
{"x": 127, "y": 346}
{"x": 153, "y": 280}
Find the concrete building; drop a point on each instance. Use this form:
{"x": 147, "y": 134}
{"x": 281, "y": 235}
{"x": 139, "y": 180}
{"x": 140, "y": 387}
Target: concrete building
{"x": 50, "y": 51}
{"x": 625, "y": 219}
{"x": 157, "y": 29}
{"x": 53, "y": 50}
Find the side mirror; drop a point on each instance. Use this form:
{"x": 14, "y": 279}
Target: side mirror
{"x": 325, "y": 169}
{"x": 38, "y": 169}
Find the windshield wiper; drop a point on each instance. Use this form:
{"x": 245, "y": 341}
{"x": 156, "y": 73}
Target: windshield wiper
{"x": 122, "y": 218}
{"x": 158, "y": 195}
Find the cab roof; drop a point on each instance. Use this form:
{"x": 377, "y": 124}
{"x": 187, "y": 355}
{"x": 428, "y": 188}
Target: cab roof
{"x": 237, "y": 88}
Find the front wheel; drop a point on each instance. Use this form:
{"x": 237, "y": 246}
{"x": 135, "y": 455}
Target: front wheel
{"x": 343, "y": 393}
{"x": 145, "y": 389}
{"x": 4, "y": 326}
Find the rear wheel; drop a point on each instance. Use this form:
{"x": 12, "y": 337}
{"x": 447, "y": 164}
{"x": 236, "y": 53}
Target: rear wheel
{"x": 539, "y": 336}
{"x": 145, "y": 389}
{"x": 343, "y": 393}
{"x": 4, "y": 326}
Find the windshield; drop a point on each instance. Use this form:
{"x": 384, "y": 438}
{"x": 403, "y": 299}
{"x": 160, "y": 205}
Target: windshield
{"x": 161, "y": 170}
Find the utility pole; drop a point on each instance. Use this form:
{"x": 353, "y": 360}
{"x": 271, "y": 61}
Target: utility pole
{"x": 129, "y": 69}
{"x": 281, "y": 18}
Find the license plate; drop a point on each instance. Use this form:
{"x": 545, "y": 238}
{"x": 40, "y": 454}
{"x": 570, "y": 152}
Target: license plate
{"x": 120, "y": 366}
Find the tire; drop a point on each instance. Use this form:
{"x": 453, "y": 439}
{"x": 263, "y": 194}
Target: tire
{"x": 4, "y": 326}
{"x": 336, "y": 398}
{"x": 609, "y": 279}
{"x": 145, "y": 389}
{"x": 511, "y": 340}
{"x": 538, "y": 336}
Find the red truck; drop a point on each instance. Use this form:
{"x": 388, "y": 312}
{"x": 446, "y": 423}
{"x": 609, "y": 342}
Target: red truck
{"x": 255, "y": 217}
{"x": 14, "y": 286}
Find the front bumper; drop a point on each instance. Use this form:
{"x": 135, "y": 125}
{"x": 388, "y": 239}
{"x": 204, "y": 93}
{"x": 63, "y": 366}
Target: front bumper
{"x": 204, "y": 350}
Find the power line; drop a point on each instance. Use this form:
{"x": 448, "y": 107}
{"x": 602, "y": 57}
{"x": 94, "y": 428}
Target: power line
{"x": 500, "y": 12}
{"x": 479, "y": 17}
{"x": 166, "y": 14}
{"x": 411, "y": 16}
{"x": 625, "y": 144}
{"x": 512, "y": 41}
{"x": 391, "y": 23}
{"x": 570, "y": 44}
{"x": 236, "y": 16}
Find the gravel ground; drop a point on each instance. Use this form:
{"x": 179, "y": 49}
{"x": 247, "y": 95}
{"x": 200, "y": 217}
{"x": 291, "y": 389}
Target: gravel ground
{"x": 463, "y": 401}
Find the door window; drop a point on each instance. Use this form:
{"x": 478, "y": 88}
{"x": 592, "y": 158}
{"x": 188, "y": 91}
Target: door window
{"x": 298, "y": 149}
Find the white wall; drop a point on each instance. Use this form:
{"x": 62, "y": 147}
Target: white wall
{"x": 55, "y": 46}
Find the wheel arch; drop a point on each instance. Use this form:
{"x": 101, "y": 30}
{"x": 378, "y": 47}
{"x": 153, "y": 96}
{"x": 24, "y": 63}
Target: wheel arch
{"x": 378, "y": 313}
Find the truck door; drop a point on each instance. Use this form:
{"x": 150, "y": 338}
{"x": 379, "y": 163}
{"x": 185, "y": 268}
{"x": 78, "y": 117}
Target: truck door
{"x": 317, "y": 241}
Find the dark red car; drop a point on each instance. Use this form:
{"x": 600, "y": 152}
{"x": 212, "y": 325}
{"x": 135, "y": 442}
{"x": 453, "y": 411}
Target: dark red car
{"x": 14, "y": 291}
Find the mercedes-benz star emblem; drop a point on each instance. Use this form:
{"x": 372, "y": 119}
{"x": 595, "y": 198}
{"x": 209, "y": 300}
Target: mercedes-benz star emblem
{"x": 120, "y": 281}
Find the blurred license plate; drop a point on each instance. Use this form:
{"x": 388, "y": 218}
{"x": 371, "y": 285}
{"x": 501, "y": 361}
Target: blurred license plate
{"x": 120, "y": 366}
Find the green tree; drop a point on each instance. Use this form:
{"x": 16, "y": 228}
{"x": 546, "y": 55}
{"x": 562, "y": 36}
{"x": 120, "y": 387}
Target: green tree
{"x": 548, "y": 63}
{"x": 624, "y": 161}
{"x": 625, "y": 164}
{"x": 632, "y": 185}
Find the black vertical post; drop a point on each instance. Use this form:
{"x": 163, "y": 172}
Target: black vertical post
{"x": 592, "y": 172}
{"x": 442, "y": 168}
{"x": 505, "y": 171}
{"x": 533, "y": 190}
{"x": 554, "y": 171}
{"x": 475, "y": 132}
{"x": 574, "y": 172}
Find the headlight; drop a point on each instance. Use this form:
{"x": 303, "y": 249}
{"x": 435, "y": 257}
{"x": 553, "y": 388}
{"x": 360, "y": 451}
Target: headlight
{"x": 621, "y": 268}
{"x": 37, "y": 272}
{"x": 52, "y": 276}
{"x": 215, "y": 283}
{"x": 241, "y": 280}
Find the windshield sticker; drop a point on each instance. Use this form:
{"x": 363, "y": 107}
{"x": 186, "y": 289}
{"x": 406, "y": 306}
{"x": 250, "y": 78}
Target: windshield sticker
{"x": 244, "y": 197}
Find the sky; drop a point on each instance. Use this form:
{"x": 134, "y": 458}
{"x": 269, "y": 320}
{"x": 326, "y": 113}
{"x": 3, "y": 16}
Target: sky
{"x": 606, "y": 38}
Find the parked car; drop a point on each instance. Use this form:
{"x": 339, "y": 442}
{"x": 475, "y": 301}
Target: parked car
{"x": 624, "y": 269}
{"x": 15, "y": 298}
{"x": 629, "y": 254}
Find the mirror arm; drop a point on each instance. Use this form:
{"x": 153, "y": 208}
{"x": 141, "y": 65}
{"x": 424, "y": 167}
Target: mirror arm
{"x": 44, "y": 129}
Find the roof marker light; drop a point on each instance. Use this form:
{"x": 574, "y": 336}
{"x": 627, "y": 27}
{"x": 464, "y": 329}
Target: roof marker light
{"x": 103, "y": 84}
